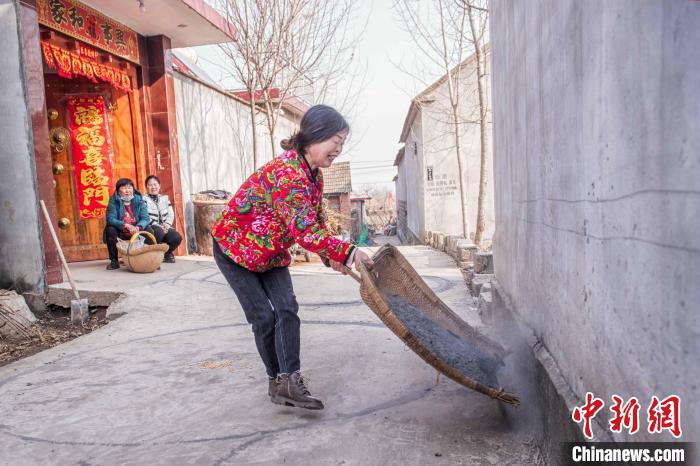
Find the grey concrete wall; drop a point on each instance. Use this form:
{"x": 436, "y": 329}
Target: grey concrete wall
{"x": 21, "y": 249}
{"x": 597, "y": 182}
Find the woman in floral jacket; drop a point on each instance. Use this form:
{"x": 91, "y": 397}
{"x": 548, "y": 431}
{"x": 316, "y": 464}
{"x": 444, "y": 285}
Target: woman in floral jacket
{"x": 280, "y": 204}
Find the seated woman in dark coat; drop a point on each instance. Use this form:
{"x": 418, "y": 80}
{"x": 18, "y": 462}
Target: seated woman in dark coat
{"x": 162, "y": 217}
{"x": 126, "y": 214}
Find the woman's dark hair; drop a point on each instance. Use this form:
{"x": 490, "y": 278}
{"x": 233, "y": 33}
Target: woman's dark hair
{"x": 318, "y": 124}
{"x": 151, "y": 177}
{"x": 124, "y": 182}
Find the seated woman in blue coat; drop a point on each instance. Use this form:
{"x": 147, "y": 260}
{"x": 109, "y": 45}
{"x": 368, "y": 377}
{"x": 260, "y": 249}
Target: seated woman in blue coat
{"x": 126, "y": 214}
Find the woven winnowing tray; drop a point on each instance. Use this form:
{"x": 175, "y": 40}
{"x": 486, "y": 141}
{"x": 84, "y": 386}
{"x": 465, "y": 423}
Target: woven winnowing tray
{"x": 406, "y": 304}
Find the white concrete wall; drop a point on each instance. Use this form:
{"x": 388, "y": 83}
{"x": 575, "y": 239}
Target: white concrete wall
{"x": 21, "y": 247}
{"x": 215, "y": 142}
{"x": 596, "y": 124}
{"x": 442, "y": 209}
{"x": 442, "y": 200}
{"x": 287, "y": 125}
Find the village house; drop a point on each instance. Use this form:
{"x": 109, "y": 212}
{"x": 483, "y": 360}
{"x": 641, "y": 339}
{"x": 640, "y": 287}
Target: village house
{"x": 358, "y": 214}
{"x": 337, "y": 188}
{"x": 89, "y": 97}
{"x": 160, "y": 114}
{"x": 427, "y": 184}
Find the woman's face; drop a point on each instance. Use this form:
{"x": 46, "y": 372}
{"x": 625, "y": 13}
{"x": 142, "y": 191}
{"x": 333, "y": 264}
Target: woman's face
{"x": 153, "y": 187}
{"x": 126, "y": 190}
{"x": 322, "y": 154}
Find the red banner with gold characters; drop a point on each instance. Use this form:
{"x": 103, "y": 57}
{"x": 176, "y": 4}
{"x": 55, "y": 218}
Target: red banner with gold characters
{"x": 92, "y": 154}
{"x": 82, "y": 64}
{"x": 82, "y": 22}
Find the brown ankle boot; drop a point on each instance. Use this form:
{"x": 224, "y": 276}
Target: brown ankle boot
{"x": 272, "y": 386}
{"x": 292, "y": 391}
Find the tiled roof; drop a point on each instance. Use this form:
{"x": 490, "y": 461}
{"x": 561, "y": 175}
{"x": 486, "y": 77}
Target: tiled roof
{"x": 336, "y": 178}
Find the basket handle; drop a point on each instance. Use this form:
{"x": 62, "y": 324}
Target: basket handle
{"x": 136, "y": 235}
{"x": 353, "y": 274}
{"x": 361, "y": 270}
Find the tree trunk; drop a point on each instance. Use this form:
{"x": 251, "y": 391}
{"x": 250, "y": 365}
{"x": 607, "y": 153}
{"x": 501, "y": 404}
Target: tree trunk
{"x": 453, "y": 88}
{"x": 462, "y": 189}
{"x": 271, "y": 120}
{"x": 272, "y": 140}
{"x": 253, "y": 127}
{"x": 480, "y": 216}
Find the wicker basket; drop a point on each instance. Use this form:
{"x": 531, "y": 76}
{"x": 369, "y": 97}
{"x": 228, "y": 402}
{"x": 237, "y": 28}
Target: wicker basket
{"x": 206, "y": 210}
{"x": 393, "y": 275}
{"x": 145, "y": 259}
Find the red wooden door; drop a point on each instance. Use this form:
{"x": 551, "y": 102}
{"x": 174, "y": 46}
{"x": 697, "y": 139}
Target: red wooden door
{"x": 81, "y": 239}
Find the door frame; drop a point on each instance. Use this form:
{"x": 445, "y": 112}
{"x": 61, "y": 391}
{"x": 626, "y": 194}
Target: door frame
{"x": 136, "y": 115}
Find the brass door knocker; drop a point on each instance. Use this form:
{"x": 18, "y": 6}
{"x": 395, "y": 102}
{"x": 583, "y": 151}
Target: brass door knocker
{"x": 58, "y": 138}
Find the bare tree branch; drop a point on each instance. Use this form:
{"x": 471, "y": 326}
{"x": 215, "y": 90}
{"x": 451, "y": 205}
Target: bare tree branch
{"x": 284, "y": 47}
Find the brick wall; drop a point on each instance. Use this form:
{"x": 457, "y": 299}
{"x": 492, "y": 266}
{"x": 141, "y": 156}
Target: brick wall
{"x": 345, "y": 211}
{"x": 341, "y": 204}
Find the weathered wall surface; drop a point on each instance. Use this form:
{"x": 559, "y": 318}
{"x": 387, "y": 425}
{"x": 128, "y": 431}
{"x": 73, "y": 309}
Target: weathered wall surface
{"x": 596, "y": 111}
{"x": 401, "y": 205}
{"x": 411, "y": 173}
{"x": 21, "y": 252}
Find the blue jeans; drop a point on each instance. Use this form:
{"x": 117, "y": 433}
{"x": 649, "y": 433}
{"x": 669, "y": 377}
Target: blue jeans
{"x": 270, "y": 306}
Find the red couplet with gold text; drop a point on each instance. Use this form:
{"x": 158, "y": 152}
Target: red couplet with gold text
{"x": 92, "y": 154}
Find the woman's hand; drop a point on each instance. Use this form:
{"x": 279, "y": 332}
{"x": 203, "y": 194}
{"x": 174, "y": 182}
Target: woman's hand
{"x": 362, "y": 257}
{"x": 359, "y": 257}
{"x": 164, "y": 227}
{"x": 338, "y": 267}
{"x": 132, "y": 229}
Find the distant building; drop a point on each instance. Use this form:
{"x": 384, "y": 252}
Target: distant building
{"x": 380, "y": 211}
{"x": 358, "y": 214}
{"x": 337, "y": 186}
{"x": 427, "y": 183}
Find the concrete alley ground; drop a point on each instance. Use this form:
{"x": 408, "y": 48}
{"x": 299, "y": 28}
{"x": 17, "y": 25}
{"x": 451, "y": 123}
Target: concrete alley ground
{"x": 177, "y": 380}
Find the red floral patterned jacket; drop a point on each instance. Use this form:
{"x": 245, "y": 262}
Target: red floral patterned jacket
{"x": 278, "y": 205}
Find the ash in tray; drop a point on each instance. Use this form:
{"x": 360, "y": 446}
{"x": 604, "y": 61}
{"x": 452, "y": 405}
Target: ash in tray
{"x": 450, "y": 348}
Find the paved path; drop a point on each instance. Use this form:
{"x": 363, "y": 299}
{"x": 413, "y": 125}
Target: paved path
{"x": 177, "y": 380}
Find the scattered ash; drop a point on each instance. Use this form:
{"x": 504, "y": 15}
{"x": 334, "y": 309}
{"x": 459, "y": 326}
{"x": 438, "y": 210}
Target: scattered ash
{"x": 450, "y": 348}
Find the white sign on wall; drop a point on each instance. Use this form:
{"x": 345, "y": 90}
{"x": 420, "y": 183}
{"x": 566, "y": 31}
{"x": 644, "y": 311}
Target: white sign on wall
{"x": 442, "y": 187}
